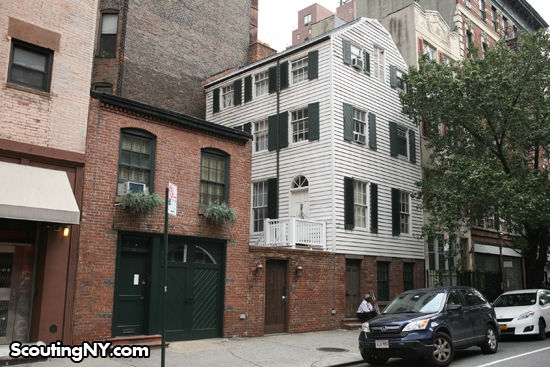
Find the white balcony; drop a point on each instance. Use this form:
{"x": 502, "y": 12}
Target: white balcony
{"x": 294, "y": 233}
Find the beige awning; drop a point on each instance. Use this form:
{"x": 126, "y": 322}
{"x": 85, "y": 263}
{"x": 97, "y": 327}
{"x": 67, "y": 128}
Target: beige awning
{"x": 32, "y": 193}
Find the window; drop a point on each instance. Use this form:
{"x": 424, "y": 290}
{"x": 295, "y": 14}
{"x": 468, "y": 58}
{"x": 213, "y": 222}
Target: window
{"x": 430, "y": 51}
{"x": 359, "y": 125}
{"x": 400, "y": 83}
{"x": 515, "y": 30}
{"x": 378, "y": 63}
{"x": 227, "y": 96}
{"x": 309, "y": 31}
{"x": 103, "y": 88}
{"x": 307, "y": 19}
{"x": 261, "y": 82}
{"x": 299, "y": 70}
{"x": 135, "y": 161}
{"x": 402, "y": 141}
{"x": 469, "y": 40}
{"x": 495, "y": 19}
{"x": 360, "y": 201}
{"x": 214, "y": 178}
{"x": 408, "y": 276}
{"x": 30, "y": 66}
{"x": 109, "y": 30}
{"x": 505, "y": 27}
{"x": 261, "y": 130}
{"x": 299, "y": 125}
{"x": 482, "y": 9}
{"x": 468, "y": 4}
{"x": 484, "y": 49}
{"x": 355, "y": 53}
{"x": 404, "y": 209}
{"x": 298, "y": 36}
{"x": 383, "y": 281}
{"x": 259, "y": 205}
{"x": 436, "y": 253}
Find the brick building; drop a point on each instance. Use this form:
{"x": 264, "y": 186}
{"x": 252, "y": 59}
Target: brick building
{"x": 159, "y": 52}
{"x": 46, "y": 62}
{"x": 119, "y": 282}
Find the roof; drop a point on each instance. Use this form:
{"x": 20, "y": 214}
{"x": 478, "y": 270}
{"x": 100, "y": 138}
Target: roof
{"x": 526, "y": 10}
{"x": 176, "y": 118}
{"x": 288, "y": 51}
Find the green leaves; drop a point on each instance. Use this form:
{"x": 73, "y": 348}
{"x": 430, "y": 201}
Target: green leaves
{"x": 140, "y": 202}
{"x": 220, "y": 214}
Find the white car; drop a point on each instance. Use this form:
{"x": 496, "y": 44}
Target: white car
{"x": 524, "y": 312}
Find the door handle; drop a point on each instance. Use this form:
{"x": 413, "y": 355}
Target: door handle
{"x": 347, "y": 293}
{"x": 189, "y": 299}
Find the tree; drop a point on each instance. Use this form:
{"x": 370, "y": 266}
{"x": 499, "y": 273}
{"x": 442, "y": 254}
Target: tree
{"x": 492, "y": 154}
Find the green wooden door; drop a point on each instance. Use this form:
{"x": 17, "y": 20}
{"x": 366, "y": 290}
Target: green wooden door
{"x": 131, "y": 297}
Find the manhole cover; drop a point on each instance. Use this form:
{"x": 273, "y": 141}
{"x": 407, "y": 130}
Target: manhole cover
{"x": 333, "y": 350}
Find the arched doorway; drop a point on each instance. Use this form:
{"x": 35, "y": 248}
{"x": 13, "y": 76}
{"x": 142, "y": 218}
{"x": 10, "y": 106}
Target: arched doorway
{"x": 299, "y": 198}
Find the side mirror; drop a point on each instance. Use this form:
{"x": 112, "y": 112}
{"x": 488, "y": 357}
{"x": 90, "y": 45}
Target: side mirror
{"x": 541, "y": 302}
{"x": 452, "y": 308}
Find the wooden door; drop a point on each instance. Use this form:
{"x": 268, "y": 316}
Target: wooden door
{"x": 300, "y": 204}
{"x": 353, "y": 288}
{"x": 276, "y": 297}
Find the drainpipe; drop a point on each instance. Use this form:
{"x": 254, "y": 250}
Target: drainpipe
{"x": 278, "y": 149}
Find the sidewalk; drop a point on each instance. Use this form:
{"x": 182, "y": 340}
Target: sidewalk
{"x": 269, "y": 351}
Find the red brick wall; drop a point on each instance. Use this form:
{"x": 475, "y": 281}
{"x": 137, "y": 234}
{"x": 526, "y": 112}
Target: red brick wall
{"x": 177, "y": 160}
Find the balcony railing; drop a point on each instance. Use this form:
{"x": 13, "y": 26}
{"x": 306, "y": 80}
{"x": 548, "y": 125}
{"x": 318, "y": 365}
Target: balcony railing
{"x": 294, "y": 233}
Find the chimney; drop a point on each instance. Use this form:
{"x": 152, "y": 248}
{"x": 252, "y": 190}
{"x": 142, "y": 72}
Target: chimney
{"x": 253, "y": 21}
{"x": 257, "y": 49}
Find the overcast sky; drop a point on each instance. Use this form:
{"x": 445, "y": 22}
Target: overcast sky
{"x": 278, "y": 17}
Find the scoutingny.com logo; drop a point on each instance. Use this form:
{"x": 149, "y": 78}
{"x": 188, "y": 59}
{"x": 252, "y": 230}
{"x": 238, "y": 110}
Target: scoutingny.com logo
{"x": 78, "y": 352}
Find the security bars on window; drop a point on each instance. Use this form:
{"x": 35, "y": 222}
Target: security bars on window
{"x": 299, "y": 125}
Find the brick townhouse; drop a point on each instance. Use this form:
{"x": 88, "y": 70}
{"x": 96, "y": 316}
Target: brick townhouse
{"x": 45, "y": 62}
{"x": 119, "y": 279}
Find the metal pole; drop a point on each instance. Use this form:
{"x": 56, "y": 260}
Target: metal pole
{"x": 165, "y": 280}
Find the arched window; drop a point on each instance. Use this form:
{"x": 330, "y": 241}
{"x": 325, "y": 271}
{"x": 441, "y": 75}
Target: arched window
{"x": 300, "y": 182}
{"x": 214, "y": 177}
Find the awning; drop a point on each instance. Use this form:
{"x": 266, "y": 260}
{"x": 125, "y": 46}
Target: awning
{"x": 495, "y": 250}
{"x": 38, "y": 194}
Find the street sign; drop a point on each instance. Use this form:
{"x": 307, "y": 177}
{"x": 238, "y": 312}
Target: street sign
{"x": 172, "y": 199}
{"x": 446, "y": 236}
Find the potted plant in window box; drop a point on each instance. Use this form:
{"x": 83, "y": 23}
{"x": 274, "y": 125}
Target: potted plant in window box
{"x": 139, "y": 202}
{"x": 220, "y": 214}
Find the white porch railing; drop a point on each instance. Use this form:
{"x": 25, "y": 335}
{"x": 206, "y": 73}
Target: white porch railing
{"x": 295, "y": 233}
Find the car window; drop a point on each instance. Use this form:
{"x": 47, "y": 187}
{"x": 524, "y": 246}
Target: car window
{"x": 543, "y": 297}
{"x": 425, "y": 302}
{"x": 454, "y": 299}
{"x": 471, "y": 297}
{"x": 517, "y": 299}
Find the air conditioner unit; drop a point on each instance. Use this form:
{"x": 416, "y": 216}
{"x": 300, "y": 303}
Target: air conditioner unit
{"x": 359, "y": 138}
{"x": 129, "y": 186}
{"x": 357, "y": 63}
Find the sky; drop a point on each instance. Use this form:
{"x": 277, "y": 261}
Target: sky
{"x": 278, "y": 17}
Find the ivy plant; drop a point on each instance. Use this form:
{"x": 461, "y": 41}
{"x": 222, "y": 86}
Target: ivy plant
{"x": 220, "y": 214}
{"x": 140, "y": 202}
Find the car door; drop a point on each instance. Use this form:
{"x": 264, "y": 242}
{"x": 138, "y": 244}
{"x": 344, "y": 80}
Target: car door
{"x": 544, "y": 304}
{"x": 475, "y": 313}
{"x": 461, "y": 326}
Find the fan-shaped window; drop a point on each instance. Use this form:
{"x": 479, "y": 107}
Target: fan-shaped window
{"x": 203, "y": 257}
{"x": 300, "y": 182}
{"x": 179, "y": 254}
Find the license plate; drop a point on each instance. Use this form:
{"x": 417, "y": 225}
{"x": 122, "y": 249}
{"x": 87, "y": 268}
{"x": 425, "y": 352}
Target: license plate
{"x": 503, "y": 327}
{"x": 382, "y": 344}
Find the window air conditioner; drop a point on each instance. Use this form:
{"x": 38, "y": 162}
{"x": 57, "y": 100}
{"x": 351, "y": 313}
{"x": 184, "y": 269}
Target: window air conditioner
{"x": 357, "y": 63}
{"x": 129, "y": 186}
{"x": 359, "y": 138}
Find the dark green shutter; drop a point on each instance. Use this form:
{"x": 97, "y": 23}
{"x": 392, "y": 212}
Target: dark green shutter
{"x": 412, "y": 145}
{"x": 393, "y": 76}
{"x": 247, "y": 127}
{"x": 283, "y": 74}
{"x": 367, "y": 61}
{"x": 347, "y": 52}
{"x": 283, "y": 130}
{"x": 272, "y": 132}
{"x": 395, "y": 216}
{"x": 272, "y": 79}
{"x": 239, "y": 127}
{"x": 313, "y": 121}
{"x": 248, "y": 88}
{"x": 313, "y": 64}
{"x": 349, "y": 203}
{"x": 272, "y": 198}
{"x": 237, "y": 92}
{"x": 348, "y": 121}
{"x": 372, "y": 130}
{"x": 216, "y": 100}
{"x": 374, "y": 208}
{"x": 393, "y": 139}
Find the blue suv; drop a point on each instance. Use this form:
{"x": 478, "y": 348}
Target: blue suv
{"x": 430, "y": 323}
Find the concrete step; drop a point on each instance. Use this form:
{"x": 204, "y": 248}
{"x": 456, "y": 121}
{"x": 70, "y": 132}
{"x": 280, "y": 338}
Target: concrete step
{"x": 350, "y": 323}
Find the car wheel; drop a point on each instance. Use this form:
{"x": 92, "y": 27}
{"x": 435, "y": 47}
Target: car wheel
{"x": 542, "y": 330}
{"x": 373, "y": 360}
{"x": 490, "y": 345}
{"x": 444, "y": 351}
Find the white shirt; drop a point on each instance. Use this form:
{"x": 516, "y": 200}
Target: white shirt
{"x": 365, "y": 307}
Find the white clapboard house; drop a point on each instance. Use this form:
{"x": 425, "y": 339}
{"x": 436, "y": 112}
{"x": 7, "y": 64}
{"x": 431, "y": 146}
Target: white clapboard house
{"x": 334, "y": 160}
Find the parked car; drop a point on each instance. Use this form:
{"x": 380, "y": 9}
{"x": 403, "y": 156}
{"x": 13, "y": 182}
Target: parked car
{"x": 524, "y": 312}
{"x": 430, "y": 323}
